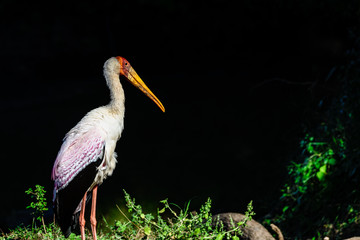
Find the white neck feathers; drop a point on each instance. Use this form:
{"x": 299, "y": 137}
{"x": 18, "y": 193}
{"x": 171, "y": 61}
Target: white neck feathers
{"x": 111, "y": 73}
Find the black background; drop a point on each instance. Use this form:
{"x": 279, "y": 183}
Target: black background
{"x": 237, "y": 80}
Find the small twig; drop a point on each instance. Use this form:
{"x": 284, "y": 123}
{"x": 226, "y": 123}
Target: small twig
{"x": 127, "y": 217}
{"x": 43, "y": 223}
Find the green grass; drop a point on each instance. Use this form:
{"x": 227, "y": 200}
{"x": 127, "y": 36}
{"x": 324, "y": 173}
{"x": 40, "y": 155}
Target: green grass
{"x": 170, "y": 222}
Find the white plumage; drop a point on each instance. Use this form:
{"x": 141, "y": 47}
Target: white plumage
{"x": 87, "y": 155}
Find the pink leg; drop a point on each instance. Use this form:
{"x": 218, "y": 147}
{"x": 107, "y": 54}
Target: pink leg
{"x": 82, "y": 218}
{"x": 93, "y": 212}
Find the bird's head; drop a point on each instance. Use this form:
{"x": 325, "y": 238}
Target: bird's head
{"x": 127, "y": 71}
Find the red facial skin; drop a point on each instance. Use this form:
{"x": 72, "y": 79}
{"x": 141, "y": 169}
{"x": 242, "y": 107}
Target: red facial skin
{"x": 127, "y": 71}
{"x": 124, "y": 66}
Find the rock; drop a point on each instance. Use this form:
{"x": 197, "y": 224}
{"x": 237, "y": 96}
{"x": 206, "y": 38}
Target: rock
{"x": 253, "y": 229}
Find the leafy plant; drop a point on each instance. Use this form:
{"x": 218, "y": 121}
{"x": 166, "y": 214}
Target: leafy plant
{"x": 321, "y": 196}
{"x": 320, "y": 159}
{"x": 181, "y": 225}
{"x": 170, "y": 222}
{"x": 39, "y": 205}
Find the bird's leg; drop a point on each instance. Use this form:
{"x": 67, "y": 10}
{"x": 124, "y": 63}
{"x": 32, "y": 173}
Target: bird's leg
{"x": 93, "y": 212}
{"x": 82, "y": 218}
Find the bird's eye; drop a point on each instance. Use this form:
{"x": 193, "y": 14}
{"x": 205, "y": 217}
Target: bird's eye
{"x": 126, "y": 64}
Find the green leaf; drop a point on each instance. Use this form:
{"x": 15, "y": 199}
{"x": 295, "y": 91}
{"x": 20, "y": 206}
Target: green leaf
{"x": 285, "y": 208}
{"x": 147, "y": 230}
{"x": 197, "y": 231}
{"x": 162, "y": 210}
{"x": 320, "y": 175}
{"x": 118, "y": 223}
{"x": 351, "y": 209}
{"x": 310, "y": 149}
{"x": 323, "y": 169}
{"x": 332, "y": 161}
{"x": 220, "y": 236}
{"x": 235, "y": 238}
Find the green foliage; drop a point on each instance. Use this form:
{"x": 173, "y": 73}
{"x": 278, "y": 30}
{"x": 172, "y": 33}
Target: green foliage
{"x": 179, "y": 224}
{"x": 322, "y": 197}
{"x": 39, "y": 206}
{"x": 320, "y": 159}
{"x": 51, "y": 232}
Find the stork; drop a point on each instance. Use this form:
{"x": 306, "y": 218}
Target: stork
{"x": 87, "y": 155}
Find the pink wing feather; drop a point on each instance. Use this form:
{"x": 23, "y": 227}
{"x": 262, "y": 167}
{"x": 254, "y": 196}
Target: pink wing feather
{"x": 75, "y": 154}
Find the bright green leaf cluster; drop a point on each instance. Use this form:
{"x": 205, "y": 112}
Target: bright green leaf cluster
{"x": 318, "y": 163}
{"x": 181, "y": 225}
{"x": 40, "y": 204}
{"x": 178, "y": 223}
{"x": 325, "y": 177}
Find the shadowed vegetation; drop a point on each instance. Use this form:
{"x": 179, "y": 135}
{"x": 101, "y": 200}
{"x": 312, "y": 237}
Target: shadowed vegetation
{"x": 170, "y": 222}
{"x": 321, "y": 197}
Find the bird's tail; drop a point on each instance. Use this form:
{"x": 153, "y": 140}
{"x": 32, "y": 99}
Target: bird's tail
{"x": 68, "y": 199}
{"x": 75, "y": 226}
{"x": 69, "y": 223}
